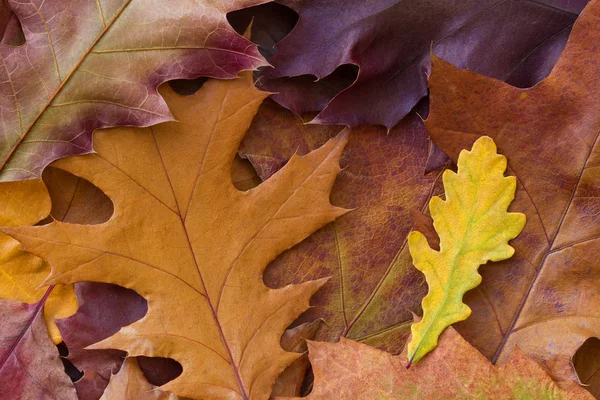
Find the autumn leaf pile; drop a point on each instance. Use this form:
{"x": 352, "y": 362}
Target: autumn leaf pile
{"x": 310, "y": 198}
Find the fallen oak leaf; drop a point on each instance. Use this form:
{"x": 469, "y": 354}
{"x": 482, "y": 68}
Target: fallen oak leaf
{"x": 29, "y": 364}
{"x": 106, "y": 308}
{"x": 21, "y": 273}
{"x": 474, "y": 228}
{"x": 98, "y": 65}
{"x": 454, "y": 370}
{"x": 185, "y": 239}
{"x": 544, "y": 300}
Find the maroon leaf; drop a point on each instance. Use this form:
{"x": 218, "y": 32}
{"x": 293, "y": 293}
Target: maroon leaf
{"x": 29, "y": 364}
{"x": 514, "y": 40}
{"x": 103, "y": 310}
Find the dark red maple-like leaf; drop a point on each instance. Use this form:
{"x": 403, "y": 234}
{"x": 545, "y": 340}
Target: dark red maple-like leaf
{"x": 389, "y": 40}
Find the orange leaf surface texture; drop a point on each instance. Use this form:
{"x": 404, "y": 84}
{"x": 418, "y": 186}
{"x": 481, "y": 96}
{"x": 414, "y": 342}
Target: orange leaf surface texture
{"x": 545, "y": 300}
{"x": 192, "y": 244}
{"x": 455, "y": 370}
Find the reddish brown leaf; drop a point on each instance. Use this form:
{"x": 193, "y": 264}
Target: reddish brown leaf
{"x": 29, "y": 363}
{"x": 454, "y": 370}
{"x": 373, "y": 285}
{"x": 545, "y": 299}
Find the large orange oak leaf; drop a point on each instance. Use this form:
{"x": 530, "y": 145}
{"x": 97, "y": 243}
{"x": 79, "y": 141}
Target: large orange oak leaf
{"x": 545, "y": 299}
{"x": 90, "y": 64}
{"x": 193, "y": 245}
{"x": 455, "y": 370}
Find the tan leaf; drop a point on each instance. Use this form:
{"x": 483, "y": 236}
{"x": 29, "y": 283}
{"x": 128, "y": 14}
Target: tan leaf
{"x": 455, "y": 370}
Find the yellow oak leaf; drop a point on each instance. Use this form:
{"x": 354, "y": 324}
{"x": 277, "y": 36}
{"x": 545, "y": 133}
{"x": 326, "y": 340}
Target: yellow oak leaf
{"x": 474, "y": 227}
{"x": 193, "y": 245}
{"x": 22, "y": 273}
